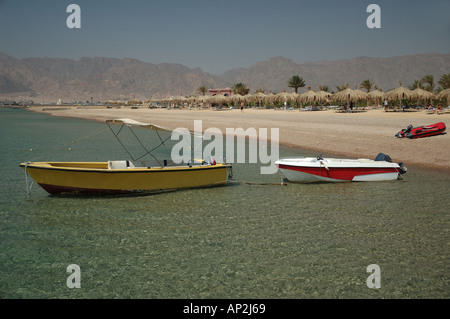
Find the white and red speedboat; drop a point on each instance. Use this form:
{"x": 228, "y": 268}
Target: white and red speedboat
{"x": 319, "y": 169}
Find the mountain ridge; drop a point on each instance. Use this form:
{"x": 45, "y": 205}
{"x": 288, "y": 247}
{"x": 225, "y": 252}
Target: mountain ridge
{"x": 102, "y": 78}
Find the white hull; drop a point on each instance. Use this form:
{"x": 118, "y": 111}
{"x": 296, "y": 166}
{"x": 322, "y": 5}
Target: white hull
{"x": 309, "y": 169}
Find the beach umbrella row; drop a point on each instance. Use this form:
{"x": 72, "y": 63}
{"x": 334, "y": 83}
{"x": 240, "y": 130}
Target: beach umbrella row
{"x": 347, "y": 95}
{"x": 260, "y": 98}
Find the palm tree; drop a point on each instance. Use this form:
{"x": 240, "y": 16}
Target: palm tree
{"x": 428, "y": 79}
{"x": 324, "y": 88}
{"x": 444, "y": 82}
{"x": 342, "y": 87}
{"x": 240, "y": 88}
{"x": 367, "y": 84}
{"x": 202, "y": 90}
{"x": 416, "y": 84}
{"x": 296, "y": 82}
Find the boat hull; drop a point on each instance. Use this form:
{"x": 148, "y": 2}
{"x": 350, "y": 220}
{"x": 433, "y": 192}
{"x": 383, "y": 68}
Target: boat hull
{"x": 97, "y": 178}
{"x": 309, "y": 170}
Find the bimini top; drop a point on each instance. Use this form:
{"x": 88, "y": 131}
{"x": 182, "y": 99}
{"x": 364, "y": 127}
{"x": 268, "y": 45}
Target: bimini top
{"x": 131, "y": 122}
{"x": 137, "y": 123}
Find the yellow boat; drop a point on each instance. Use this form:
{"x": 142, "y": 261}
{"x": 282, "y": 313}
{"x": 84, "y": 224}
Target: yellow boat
{"x": 118, "y": 177}
{"x": 128, "y": 176}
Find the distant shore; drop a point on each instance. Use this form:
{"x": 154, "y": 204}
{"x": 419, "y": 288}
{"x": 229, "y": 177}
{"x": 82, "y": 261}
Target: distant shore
{"x": 362, "y": 134}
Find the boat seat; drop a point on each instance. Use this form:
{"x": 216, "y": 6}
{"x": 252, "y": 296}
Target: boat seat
{"x": 120, "y": 164}
{"x": 142, "y": 164}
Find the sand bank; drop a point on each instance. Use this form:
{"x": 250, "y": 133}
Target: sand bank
{"x": 363, "y": 134}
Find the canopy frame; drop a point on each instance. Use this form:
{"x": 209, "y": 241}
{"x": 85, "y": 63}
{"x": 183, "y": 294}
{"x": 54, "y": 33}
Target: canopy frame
{"x": 130, "y": 123}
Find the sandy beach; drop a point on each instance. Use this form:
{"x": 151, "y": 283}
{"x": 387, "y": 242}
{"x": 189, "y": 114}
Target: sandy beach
{"x": 362, "y": 134}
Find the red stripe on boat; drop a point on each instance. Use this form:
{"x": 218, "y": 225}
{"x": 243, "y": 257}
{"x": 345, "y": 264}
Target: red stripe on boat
{"x": 341, "y": 173}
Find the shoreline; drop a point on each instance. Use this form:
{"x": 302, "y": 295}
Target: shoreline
{"x": 362, "y": 134}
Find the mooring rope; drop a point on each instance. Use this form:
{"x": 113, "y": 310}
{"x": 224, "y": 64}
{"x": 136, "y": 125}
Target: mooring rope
{"x": 67, "y": 145}
{"x": 261, "y": 183}
{"x": 26, "y": 180}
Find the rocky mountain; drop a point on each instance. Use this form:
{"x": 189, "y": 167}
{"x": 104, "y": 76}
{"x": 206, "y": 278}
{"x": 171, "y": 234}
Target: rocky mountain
{"x": 384, "y": 72}
{"x": 97, "y": 78}
{"x": 103, "y": 78}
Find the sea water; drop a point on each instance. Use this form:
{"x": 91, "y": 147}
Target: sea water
{"x": 255, "y": 238}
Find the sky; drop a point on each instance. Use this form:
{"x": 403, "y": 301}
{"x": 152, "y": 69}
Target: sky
{"x": 218, "y": 36}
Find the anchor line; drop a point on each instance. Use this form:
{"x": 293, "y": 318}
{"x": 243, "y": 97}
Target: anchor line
{"x": 26, "y": 181}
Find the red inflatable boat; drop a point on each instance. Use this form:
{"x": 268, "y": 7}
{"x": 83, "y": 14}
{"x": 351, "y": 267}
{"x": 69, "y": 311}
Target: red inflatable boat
{"x": 422, "y": 131}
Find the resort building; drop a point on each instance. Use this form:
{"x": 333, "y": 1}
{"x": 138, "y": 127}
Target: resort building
{"x": 225, "y": 92}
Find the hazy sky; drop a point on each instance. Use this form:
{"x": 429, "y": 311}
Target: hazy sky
{"x": 220, "y": 35}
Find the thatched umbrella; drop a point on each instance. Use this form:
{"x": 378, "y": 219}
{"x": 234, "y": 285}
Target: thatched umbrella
{"x": 282, "y": 97}
{"x": 362, "y": 94}
{"x": 311, "y": 96}
{"x": 248, "y": 97}
{"x": 237, "y": 98}
{"x": 180, "y": 99}
{"x": 168, "y": 100}
{"x": 325, "y": 94}
{"x": 399, "y": 94}
{"x": 204, "y": 99}
{"x": 219, "y": 99}
{"x": 445, "y": 94}
{"x": 270, "y": 97}
{"x": 376, "y": 95}
{"x": 348, "y": 95}
{"x": 421, "y": 94}
{"x": 258, "y": 97}
{"x": 295, "y": 97}
{"x": 193, "y": 99}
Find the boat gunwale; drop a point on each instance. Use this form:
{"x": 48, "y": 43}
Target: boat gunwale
{"x": 348, "y": 164}
{"x": 47, "y": 166}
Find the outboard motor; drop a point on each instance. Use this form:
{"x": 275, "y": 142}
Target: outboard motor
{"x": 383, "y": 157}
{"x": 403, "y": 169}
{"x": 408, "y": 129}
{"x": 403, "y": 132}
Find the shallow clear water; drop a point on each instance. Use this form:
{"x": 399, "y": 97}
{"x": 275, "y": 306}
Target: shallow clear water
{"x": 238, "y": 241}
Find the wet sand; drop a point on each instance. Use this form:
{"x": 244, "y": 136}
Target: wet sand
{"x": 363, "y": 134}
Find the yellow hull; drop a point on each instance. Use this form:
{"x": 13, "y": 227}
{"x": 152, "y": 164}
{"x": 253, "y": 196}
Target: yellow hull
{"x": 97, "y": 178}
